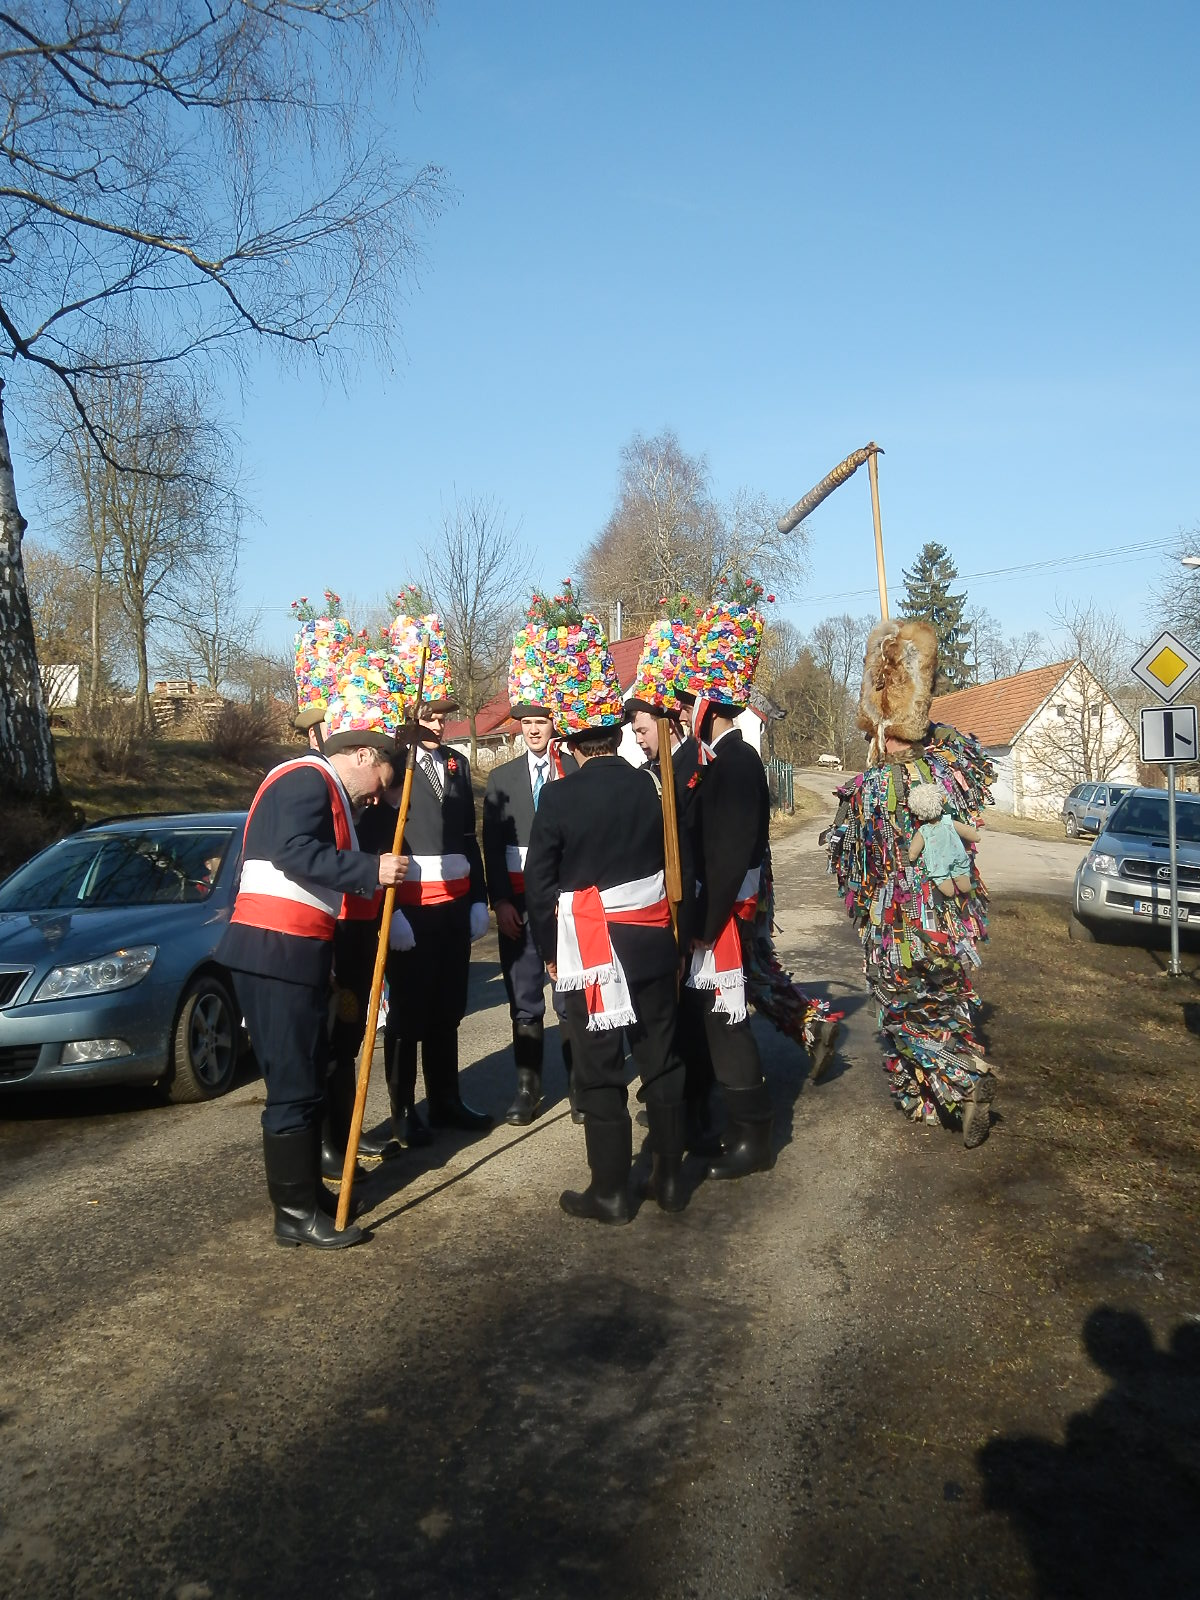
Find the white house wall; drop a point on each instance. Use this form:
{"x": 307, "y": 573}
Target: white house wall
{"x": 1040, "y": 794}
{"x": 1001, "y": 757}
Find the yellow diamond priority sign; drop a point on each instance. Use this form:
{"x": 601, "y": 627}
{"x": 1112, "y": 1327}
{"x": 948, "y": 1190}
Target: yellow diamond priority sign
{"x": 1167, "y": 667}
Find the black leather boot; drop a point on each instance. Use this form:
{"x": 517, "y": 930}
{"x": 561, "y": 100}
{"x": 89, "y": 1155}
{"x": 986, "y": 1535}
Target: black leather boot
{"x": 572, "y": 1087}
{"x": 447, "y": 1109}
{"x": 665, "y": 1184}
{"x": 292, "y": 1161}
{"x": 527, "y": 1052}
{"x": 610, "y": 1156}
{"x": 748, "y": 1138}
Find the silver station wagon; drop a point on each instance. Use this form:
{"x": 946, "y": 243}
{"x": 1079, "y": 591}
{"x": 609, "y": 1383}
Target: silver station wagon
{"x": 1124, "y": 880}
{"x": 107, "y": 970}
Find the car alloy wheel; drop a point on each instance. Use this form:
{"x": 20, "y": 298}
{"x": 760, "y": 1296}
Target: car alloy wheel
{"x": 204, "y": 1052}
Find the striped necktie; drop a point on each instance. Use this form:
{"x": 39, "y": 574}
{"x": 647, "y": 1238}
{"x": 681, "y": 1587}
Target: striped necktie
{"x": 430, "y": 768}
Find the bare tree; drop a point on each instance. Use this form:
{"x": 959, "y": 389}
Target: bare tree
{"x": 1177, "y": 594}
{"x": 177, "y": 179}
{"x": 475, "y": 575}
{"x": 210, "y": 628}
{"x": 667, "y": 535}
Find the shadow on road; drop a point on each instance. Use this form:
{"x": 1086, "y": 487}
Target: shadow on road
{"x": 1114, "y": 1509}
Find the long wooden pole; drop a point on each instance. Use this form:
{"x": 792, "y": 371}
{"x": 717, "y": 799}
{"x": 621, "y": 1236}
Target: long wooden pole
{"x": 873, "y": 474}
{"x": 389, "y": 902}
{"x": 666, "y": 778}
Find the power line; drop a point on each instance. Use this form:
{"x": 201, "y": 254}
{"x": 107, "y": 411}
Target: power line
{"x": 1115, "y": 555}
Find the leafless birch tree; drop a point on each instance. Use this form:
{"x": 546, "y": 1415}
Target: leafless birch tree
{"x": 178, "y": 180}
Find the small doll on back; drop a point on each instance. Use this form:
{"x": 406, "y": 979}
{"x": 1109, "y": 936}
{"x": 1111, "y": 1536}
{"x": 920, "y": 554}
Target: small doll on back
{"x": 939, "y": 840}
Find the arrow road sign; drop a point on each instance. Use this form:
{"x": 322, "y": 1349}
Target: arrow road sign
{"x": 1167, "y": 667}
{"x": 1168, "y": 735}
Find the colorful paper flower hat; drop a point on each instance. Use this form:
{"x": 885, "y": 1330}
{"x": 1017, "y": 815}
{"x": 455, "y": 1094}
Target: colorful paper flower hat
{"x": 366, "y": 708}
{"x": 582, "y": 681}
{"x": 683, "y": 613}
{"x": 665, "y": 667}
{"x": 528, "y": 694}
{"x": 412, "y": 629}
{"x": 322, "y": 644}
{"x": 728, "y": 641}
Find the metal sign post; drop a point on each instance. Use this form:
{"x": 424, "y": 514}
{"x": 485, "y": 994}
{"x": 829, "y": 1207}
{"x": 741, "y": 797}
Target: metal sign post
{"x": 1168, "y": 736}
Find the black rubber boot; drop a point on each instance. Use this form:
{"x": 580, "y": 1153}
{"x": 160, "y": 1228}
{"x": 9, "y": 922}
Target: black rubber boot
{"x": 610, "y": 1156}
{"x": 527, "y": 1053}
{"x": 339, "y": 1099}
{"x": 748, "y": 1139}
{"x": 665, "y": 1184}
{"x": 447, "y": 1109}
{"x": 408, "y": 1127}
{"x": 292, "y": 1161}
{"x": 528, "y": 1098}
{"x": 572, "y": 1089}
{"x": 700, "y": 1137}
{"x": 333, "y": 1155}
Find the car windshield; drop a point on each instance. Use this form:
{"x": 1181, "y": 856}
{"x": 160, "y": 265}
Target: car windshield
{"x": 1145, "y": 815}
{"x": 154, "y": 866}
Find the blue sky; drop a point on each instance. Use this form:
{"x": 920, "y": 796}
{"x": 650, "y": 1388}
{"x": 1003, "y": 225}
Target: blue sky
{"x": 781, "y": 230}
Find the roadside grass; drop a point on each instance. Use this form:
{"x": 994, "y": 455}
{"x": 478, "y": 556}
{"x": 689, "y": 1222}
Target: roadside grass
{"x": 1030, "y": 827}
{"x": 809, "y": 807}
{"x": 166, "y": 775}
{"x": 1099, "y": 1065}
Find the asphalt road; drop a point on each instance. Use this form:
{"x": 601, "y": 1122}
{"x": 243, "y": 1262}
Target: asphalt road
{"x": 488, "y": 1398}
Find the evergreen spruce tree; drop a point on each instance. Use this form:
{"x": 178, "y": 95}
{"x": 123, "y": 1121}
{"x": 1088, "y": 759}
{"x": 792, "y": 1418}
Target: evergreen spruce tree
{"x": 927, "y": 595}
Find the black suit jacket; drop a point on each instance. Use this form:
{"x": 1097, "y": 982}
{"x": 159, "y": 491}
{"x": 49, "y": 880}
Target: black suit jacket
{"x": 508, "y": 820}
{"x": 597, "y": 828}
{"x": 732, "y": 824}
{"x": 434, "y": 827}
{"x": 292, "y": 828}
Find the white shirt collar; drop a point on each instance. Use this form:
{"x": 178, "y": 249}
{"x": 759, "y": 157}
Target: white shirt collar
{"x": 713, "y": 743}
{"x": 535, "y": 762}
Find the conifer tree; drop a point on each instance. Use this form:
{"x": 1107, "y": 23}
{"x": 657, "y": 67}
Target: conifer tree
{"x": 928, "y": 596}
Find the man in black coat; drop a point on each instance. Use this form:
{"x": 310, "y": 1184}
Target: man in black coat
{"x": 440, "y": 908}
{"x": 596, "y": 900}
{"x": 514, "y": 791}
{"x": 301, "y": 858}
{"x": 732, "y": 822}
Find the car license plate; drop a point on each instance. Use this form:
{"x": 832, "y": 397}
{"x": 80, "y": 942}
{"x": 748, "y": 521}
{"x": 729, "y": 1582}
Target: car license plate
{"x": 1147, "y": 908}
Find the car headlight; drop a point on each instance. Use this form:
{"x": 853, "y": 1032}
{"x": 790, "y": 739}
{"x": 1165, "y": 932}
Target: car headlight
{"x": 120, "y": 970}
{"x": 1101, "y": 861}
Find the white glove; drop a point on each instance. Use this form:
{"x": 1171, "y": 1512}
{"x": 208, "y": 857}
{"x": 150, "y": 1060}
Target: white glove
{"x": 479, "y": 920}
{"x": 400, "y": 934}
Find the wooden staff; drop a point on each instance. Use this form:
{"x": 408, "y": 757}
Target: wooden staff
{"x": 666, "y": 778}
{"x": 869, "y": 453}
{"x": 389, "y": 902}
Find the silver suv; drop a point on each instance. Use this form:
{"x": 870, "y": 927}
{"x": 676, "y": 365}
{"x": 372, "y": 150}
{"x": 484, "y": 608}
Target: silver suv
{"x": 1086, "y": 808}
{"x": 1125, "y": 876}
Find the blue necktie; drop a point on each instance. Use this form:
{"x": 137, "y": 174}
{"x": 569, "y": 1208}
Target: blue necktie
{"x": 539, "y": 783}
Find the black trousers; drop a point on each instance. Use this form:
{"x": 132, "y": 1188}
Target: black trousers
{"x": 732, "y": 1049}
{"x": 354, "y": 948}
{"x": 289, "y": 1030}
{"x": 524, "y": 974}
{"x": 600, "y": 1057}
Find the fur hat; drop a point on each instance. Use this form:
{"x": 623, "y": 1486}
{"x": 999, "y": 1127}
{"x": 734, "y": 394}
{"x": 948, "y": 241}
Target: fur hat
{"x": 897, "y": 687}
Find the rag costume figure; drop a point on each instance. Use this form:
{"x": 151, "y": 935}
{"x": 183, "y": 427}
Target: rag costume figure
{"x": 595, "y": 894}
{"x": 301, "y": 862}
{"x": 440, "y": 908}
{"x": 919, "y": 946}
{"x": 514, "y": 792}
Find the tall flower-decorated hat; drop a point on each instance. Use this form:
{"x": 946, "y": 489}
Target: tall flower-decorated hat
{"x": 528, "y": 690}
{"x": 728, "y": 640}
{"x": 585, "y": 693}
{"x": 666, "y": 668}
{"x": 366, "y": 707}
{"x": 416, "y": 626}
{"x": 323, "y": 641}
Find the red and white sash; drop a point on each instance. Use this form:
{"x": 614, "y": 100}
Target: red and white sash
{"x": 514, "y": 860}
{"x": 720, "y": 966}
{"x": 586, "y": 958}
{"x": 267, "y": 898}
{"x": 434, "y": 880}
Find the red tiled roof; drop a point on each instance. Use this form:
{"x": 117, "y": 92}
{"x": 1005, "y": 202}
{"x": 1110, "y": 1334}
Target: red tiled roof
{"x": 996, "y": 712}
{"x": 493, "y": 718}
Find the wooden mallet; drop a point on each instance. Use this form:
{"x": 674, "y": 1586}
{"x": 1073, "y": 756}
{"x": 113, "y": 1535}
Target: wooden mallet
{"x": 666, "y": 778}
{"x": 834, "y": 480}
{"x": 389, "y": 903}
